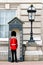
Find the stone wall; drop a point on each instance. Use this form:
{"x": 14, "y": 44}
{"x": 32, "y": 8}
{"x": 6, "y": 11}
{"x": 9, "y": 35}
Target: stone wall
{"x": 3, "y": 50}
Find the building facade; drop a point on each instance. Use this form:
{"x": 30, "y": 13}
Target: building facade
{"x": 16, "y": 8}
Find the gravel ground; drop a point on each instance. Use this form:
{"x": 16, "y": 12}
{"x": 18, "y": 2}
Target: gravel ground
{"x": 22, "y": 63}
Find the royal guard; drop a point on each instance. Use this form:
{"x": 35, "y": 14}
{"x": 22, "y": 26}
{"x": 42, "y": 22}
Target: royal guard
{"x": 13, "y": 45}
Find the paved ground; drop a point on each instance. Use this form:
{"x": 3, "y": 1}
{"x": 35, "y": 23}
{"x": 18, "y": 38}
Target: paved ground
{"x": 22, "y": 63}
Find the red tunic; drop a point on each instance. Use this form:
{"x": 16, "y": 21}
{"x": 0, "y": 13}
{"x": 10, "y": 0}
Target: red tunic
{"x": 13, "y": 43}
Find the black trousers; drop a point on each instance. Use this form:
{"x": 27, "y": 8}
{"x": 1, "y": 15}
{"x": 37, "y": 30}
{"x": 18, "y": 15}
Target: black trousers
{"x": 14, "y": 52}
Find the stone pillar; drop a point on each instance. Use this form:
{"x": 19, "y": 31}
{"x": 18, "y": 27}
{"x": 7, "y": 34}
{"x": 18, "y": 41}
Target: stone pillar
{"x": 33, "y": 51}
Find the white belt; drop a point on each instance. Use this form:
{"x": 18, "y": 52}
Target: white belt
{"x": 13, "y": 44}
